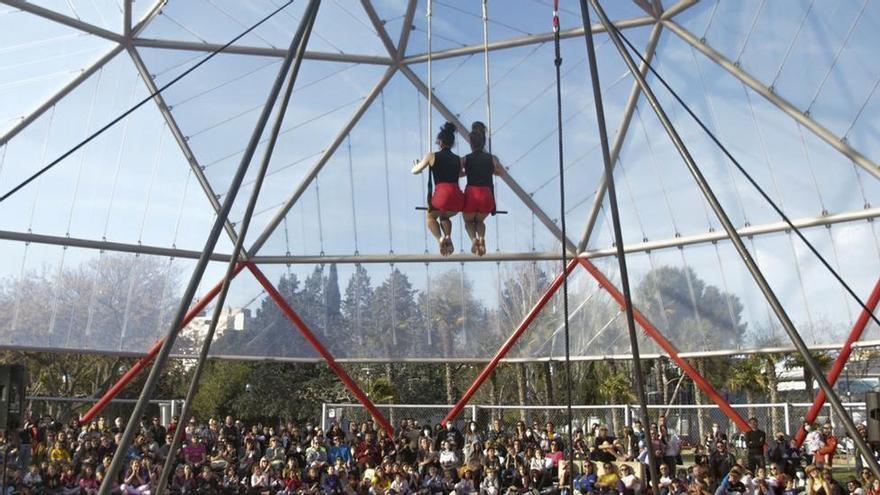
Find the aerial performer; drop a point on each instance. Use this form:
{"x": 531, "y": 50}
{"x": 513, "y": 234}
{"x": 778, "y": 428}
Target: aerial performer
{"x": 479, "y": 194}
{"x": 447, "y": 199}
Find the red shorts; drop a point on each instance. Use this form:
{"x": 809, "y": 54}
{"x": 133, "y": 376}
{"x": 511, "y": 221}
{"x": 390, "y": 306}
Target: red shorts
{"x": 478, "y": 199}
{"x": 447, "y": 197}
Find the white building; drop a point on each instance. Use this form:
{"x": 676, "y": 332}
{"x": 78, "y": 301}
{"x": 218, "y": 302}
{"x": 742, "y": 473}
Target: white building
{"x": 236, "y": 319}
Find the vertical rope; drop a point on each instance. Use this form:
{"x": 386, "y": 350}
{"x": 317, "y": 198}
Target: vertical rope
{"x": 320, "y": 216}
{"x": 428, "y": 15}
{"x": 464, "y": 313}
{"x": 354, "y": 221}
{"x": 82, "y": 156}
{"x": 387, "y": 174}
{"x": 489, "y": 127}
{"x": 119, "y": 156}
{"x": 563, "y": 249}
{"x": 393, "y": 302}
{"x": 152, "y": 182}
{"x": 183, "y": 196}
{"x": 428, "y": 303}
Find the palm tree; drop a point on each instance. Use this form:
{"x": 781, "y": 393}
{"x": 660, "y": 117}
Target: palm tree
{"x": 615, "y": 387}
{"x": 747, "y": 375}
{"x": 823, "y": 359}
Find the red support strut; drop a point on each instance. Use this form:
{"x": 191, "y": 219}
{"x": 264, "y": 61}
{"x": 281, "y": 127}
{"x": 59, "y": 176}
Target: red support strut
{"x": 304, "y": 330}
{"x": 667, "y": 346}
{"x": 508, "y": 344}
{"x": 148, "y": 357}
{"x": 840, "y": 362}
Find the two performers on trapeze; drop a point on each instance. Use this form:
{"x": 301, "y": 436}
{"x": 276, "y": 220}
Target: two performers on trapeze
{"x": 445, "y": 197}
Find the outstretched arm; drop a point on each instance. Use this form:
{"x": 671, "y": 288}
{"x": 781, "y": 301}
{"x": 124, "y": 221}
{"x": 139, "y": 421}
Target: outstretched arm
{"x": 426, "y": 161}
{"x": 499, "y": 169}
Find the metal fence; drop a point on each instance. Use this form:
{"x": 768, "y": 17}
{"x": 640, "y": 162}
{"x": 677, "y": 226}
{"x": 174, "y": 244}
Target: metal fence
{"x": 65, "y": 409}
{"x": 691, "y": 422}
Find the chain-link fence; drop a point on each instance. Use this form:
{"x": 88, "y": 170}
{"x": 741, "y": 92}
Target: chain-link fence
{"x": 64, "y": 409}
{"x": 691, "y": 422}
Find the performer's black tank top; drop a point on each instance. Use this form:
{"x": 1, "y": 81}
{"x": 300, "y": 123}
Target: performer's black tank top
{"x": 446, "y": 166}
{"x": 479, "y": 167}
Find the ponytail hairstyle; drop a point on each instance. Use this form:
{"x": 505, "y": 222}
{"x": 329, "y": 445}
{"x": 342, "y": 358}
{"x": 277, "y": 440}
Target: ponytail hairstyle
{"x": 446, "y": 136}
{"x": 478, "y": 136}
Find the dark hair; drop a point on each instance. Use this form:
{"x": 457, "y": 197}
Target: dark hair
{"x": 446, "y": 136}
{"x": 478, "y": 136}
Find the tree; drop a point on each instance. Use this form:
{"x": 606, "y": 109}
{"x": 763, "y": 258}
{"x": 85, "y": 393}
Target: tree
{"x": 691, "y": 314}
{"x": 747, "y": 375}
{"x": 614, "y": 387}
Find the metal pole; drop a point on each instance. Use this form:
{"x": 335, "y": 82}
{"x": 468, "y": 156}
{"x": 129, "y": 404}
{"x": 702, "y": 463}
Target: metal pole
{"x": 639, "y": 381}
{"x": 841, "y": 360}
{"x": 150, "y": 385}
{"x": 508, "y": 344}
{"x": 142, "y": 363}
{"x": 301, "y": 38}
{"x": 750, "y": 263}
{"x": 787, "y": 409}
{"x": 318, "y": 346}
{"x": 324, "y": 416}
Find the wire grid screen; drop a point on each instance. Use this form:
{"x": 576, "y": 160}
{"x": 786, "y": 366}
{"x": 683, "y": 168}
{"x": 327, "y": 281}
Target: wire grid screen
{"x": 537, "y": 417}
{"x": 691, "y": 423}
{"x": 430, "y": 415}
{"x": 856, "y": 410}
{"x": 65, "y": 410}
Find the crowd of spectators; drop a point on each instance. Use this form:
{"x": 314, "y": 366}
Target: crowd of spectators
{"x": 228, "y": 457}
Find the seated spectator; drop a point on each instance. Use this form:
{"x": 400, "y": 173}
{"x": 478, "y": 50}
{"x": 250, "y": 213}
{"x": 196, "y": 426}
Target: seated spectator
{"x": 449, "y": 457}
{"x": 432, "y": 482}
{"x": 259, "y": 481}
{"x": 586, "y": 482}
{"x": 400, "y": 485}
{"x": 339, "y": 450}
{"x": 490, "y": 485}
{"x": 629, "y": 483}
{"x": 465, "y": 485}
{"x": 607, "y": 483}
{"x": 88, "y": 484}
{"x": 275, "y": 454}
{"x": 331, "y": 484}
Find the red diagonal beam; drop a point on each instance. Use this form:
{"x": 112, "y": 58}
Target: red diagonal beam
{"x": 667, "y": 346}
{"x": 148, "y": 357}
{"x": 854, "y": 335}
{"x": 508, "y": 344}
{"x": 313, "y": 340}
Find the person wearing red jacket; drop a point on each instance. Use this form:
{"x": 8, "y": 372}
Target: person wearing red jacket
{"x": 825, "y": 455}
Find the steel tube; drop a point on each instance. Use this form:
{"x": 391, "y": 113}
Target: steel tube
{"x": 622, "y": 131}
{"x": 509, "y": 343}
{"x": 840, "y": 362}
{"x": 142, "y": 363}
{"x": 318, "y": 346}
{"x": 529, "y": 39}
{"x": 653, "y": 467}
{"x": 260, "y": 51}
{"x": 179, "y": 138}
{"x": 316, "y": 168}
{"x": 58, "y": 95}
{"x": 54, "y": 16}
{"x": 301, "y": 39}
{"x": 779, "y": 102}
{"x": 159, "y": 362}
{"x": 750, "y": 263}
